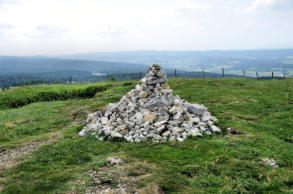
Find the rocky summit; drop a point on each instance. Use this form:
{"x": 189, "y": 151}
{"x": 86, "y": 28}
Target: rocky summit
{"x": 150, "y": 111}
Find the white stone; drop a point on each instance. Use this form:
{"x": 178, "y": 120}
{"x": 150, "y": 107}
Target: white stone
{"x": 215, "y": 129}
{"x": 104, "y": 120}
{"x": 270, "y": 162}
{"x": 82, "y": 133}
{"x": 117, "y": 135}
{"x": 139, "y": 118}
{"x": 158, "y": 124}
{"x": 114, "y": 160}
{"x": 195, "y": 119}
{"x": 177, "y": 101}
{"x": 111, "y": 107}
{"x": 172, "y": 110}
{"x": 160, "y": 129}
{"x": 172, "y": 139}
{"x": 177, "y": 116}
{"x": 195, "y": 134}
{"x": 166, "y": 134}
{"x": 138, "y": 87}
{"x": 143, "y": 80}
{"x": 143, "y": 94}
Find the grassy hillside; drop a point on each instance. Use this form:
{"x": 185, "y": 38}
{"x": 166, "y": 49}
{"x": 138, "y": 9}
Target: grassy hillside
{"x": 261, "y": 110}
{"x": 20, "y": 96}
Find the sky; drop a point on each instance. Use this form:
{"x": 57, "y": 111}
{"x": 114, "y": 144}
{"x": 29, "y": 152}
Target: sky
{"x": 50, "y": 27}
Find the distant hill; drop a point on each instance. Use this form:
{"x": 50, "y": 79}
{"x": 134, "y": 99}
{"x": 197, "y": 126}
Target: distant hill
{"x": 14, "y": 65}
{"x": 263, "y": 61}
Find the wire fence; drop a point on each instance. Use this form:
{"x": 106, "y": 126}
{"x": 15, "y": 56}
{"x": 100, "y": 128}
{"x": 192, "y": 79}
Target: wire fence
{"x": 70, "y": 79}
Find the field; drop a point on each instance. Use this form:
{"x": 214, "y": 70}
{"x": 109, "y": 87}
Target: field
{"x": 44, "y": 121}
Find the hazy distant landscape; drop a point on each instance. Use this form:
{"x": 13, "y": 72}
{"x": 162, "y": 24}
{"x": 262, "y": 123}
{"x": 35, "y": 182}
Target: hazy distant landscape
{"x": 235, "y": 61}
{"x": 89, "y": 67}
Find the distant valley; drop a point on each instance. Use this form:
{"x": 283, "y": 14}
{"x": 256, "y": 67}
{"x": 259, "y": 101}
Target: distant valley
{"x": 99, "y": 66}
{"x": 234, "y": 61}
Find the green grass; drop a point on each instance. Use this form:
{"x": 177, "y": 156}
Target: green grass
{"x": 262, "y": 110}
{"x": 20, "y": 96}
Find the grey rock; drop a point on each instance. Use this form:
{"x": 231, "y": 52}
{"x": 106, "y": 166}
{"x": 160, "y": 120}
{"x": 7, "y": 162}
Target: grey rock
{"x": 158, "y": 124}
{"x": 138, "y": 87}
{"x": 114, "y": 160}
{"x": 161, "y": 129}
{"x": 82, "y": 133}
{"x": 270, "y": 162}
{"x": 215, "y": 129}
{"x": 104, "y": 120}
{"x": 143, "y": 94}
{"x": 177, "y": 116}
{"x": 196, "y": 109}
{"x": 111, "y": 107}
{"x": 161, "y": 73}
{"x": 166, "y": 134}
{"x": 172, "y": 139}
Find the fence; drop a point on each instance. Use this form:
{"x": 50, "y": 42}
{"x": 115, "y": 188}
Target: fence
{"x": 199, "y": 74}
{"x": 6, "y": 82}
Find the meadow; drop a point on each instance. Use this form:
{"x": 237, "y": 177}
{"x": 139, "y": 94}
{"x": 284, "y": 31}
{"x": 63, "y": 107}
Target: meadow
{"x": 261, "y": 111}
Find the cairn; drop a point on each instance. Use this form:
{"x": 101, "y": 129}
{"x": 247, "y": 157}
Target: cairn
{"x": 150, "y": 111}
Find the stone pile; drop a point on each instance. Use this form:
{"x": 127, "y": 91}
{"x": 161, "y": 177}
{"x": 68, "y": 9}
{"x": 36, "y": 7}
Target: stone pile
{"x": 150, "y": 111}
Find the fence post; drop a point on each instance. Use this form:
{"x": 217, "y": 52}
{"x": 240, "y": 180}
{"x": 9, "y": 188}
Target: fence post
{"x": 284, "y": 75}
{"x": 223, "y": 72}
{"x": 175, "y": 73}
{"x": 70, "y": 79}
{"x": 139, "y": 74}
{"x": 256, "y": 75}
{"x": 272, "y": 75}
{"x": 202, "y": 74}
{"x": 243, "y": 73}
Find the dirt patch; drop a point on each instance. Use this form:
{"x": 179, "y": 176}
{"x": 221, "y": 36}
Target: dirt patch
{"x": 1, "y": 186}
{"x": 79, "y": 117}
{"x": 127, "y": 177}
{"x": 7, "y": 157}
{"x": 9, "y": 125}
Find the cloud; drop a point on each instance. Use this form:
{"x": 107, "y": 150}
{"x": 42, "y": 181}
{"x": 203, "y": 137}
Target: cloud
{"x": 4, "y": 29}
{"x": 270, "y": 5}
{"x": 186, "y": 7}
{"x": 6, "y": 26}
{"x": 7, "y": 2}
{"x": 69, "y": 26}
{"x": 48, "y": 30}
{"x": 111, "y": 30}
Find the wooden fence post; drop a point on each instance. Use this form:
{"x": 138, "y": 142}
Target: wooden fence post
{"x": 139, "y": 74}
{"x": 70, "y": 79}
{"x": 284, "y": 75}
{"x": 256, "y": 75}
{"x": 272, "y": 75}
{"x": 223, "y": 72}
{"x": 243, "y": 73}
{"x": 175, "y": 73}
{"x": 202, "y": 74}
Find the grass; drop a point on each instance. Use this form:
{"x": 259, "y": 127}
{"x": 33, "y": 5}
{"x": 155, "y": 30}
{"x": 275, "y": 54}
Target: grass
{"x": 20, "y": 96}
{"x": 226, "y": 163}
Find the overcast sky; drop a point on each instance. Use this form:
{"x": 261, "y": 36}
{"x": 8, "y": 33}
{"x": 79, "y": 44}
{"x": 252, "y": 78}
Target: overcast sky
{"x": 29, "y": 27}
